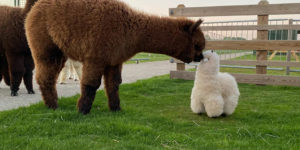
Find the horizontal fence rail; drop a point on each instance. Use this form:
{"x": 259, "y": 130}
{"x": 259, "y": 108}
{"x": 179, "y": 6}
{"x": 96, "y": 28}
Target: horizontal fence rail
{"x": 254, "y": 63}
{"x": 270, "y": 9}
{"x": 260, "y": 63}
{"x": 251, "y": 27}
{"x": 246, "y": 78}
{"x": 253, "y": 45}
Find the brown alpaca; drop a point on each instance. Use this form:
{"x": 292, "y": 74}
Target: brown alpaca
{"x": 4, "y": 73}
{"x": 15, "y": 57}
{"x": 102, "y": 34}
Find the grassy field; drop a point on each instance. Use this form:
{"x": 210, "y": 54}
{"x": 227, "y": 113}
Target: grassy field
{"x": 156, "y": 115}
{"x": 253, "y": 71}
{"x": 270, "y": 72}
{"x": 150, "y": 57}
{"x": 275, "y": 58}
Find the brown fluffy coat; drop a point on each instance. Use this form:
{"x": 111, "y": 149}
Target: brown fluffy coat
{"x": 101, "y": 34}
{"x": 15, "y": 57}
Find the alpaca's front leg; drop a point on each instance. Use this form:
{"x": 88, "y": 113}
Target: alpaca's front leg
{"x": 196, "y": 104}
{"x": 214, "y": 105}
{"x": 113, "y": 79}
{"x": 91, "y": 80}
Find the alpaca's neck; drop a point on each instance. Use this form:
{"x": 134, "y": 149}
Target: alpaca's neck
{"x": 207, "y": 70}
{"x": 28, "y": 5}
{"x": 161, "y": 35}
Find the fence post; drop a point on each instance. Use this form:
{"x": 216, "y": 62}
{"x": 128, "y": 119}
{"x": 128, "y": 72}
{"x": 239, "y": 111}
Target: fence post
{"x": 180, "y": 66}
{"x": 288, "y": 56}
{"x": 262, "y": 35}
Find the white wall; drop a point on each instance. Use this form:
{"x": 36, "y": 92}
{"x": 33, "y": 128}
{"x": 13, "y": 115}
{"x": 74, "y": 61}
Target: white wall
{"x": 7, "y": 2}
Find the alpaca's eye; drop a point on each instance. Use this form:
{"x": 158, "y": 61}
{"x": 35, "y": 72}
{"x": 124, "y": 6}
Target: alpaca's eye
{"x": 197, "y": 47}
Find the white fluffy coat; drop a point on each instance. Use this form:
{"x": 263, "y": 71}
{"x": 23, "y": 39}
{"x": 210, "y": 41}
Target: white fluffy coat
{"x": 214, "y": 92}
{"x": 71, "y": 70}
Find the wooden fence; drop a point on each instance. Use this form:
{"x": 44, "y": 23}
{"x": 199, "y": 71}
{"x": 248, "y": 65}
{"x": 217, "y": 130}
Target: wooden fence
{"x": 261, "y": 45}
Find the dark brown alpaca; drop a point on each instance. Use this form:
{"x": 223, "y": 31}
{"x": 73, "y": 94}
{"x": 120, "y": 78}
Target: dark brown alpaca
{"x": 102, "y": 34}
{"x": 15, "y": 57}
{"x": 3, "y": 67}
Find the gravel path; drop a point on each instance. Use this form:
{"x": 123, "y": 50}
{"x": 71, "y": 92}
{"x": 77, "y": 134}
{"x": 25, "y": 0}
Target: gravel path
{"x": 131, "y": 73}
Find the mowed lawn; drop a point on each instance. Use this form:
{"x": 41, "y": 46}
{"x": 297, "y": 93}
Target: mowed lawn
{"x": 269, "y": 72}
{"x": 156, "y": 115}
{"x": 147, "y": 57}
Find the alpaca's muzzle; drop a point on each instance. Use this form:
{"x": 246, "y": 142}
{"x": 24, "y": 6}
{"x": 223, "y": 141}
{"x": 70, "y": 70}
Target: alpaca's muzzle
{"x": 198, "y": 58}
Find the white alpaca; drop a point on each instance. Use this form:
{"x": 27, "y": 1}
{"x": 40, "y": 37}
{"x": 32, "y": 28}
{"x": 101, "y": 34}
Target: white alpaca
{"x": 72, "y": 70}
{"x": 214, "y": 92}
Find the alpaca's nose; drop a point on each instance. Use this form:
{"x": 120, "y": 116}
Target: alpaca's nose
{"x": 198, "y": 58}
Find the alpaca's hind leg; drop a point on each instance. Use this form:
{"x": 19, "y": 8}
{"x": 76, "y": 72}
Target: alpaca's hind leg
{"x": 91, "y": 80}
{"x": 29, "y": 66}
{"x": 77, "y": 69}
{"x": 214, "y": 106}
{"x": 48, "y": 66}
{"x": 16, "y": 70}
{"x": 64, "y": 73}
{"x": 4, "y": 70}
{"x": 112, "y": 79}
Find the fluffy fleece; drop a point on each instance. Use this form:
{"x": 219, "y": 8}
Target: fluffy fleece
{"x": 4, "y": 73}
{"x": 214, "y": 92}
{"x": 102, "y": 34}
{"x": 71, "y": 70}
{"x": 15, "y": 57}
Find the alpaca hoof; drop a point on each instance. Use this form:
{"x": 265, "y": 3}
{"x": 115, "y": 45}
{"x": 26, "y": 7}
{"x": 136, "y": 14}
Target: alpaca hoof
{"x": 84, "y": 111}
{"x": 52, "y": 106}
{"x": 115, "y": 108}
{"x": 75, "y": 79}
{"x": 215, "y": 115}
{"x": 14, "y": 93}
{"x": 62, "y": 83}
{"x": 31, "y": 92}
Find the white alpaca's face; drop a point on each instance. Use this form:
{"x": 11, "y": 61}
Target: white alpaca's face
{"x": 210, "y": 63}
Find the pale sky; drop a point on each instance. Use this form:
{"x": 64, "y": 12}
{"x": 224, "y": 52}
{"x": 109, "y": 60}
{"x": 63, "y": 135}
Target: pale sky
{"x": 161, "y": 7}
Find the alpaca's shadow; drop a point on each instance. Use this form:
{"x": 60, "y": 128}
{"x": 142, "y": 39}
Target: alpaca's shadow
{"x": 205, "y": 115}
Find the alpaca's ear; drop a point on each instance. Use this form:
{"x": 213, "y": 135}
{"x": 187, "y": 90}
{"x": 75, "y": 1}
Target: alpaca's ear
{"x": 195, "y": 26}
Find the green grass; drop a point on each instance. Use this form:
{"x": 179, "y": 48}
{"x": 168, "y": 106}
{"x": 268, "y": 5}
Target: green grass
{"x": 275, "y": 58}
{"x": 156, "y": 115}
{"x": 253, "y": 71}
{"x": 151, "y": 57}
{"x": 221, "y": 52}
{"x": 270, "y": 72}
